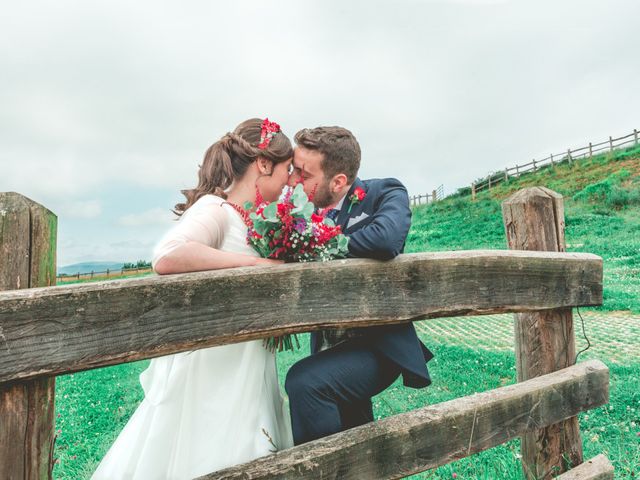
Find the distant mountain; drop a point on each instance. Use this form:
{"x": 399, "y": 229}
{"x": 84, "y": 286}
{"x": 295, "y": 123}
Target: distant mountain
{"x": 88, "y": 267}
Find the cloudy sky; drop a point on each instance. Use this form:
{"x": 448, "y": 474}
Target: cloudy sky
{"x": 106, "y": 107}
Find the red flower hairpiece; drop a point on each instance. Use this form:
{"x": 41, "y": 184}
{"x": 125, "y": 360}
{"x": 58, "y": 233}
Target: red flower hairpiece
{"x": 268, "y": 130}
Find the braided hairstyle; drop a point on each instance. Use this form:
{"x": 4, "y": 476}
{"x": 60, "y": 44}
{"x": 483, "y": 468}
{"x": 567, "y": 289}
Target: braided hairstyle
{"x": 229, "y": 158}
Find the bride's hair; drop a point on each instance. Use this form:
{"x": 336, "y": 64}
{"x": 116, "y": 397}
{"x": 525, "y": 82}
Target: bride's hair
{"x": 228, "y": 159}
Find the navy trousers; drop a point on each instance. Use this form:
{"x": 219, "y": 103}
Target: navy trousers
{"x": 331, "y": 391}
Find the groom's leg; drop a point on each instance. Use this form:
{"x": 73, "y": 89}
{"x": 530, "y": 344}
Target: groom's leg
{"x": 356, "y": 413}
{"x": 321, "y": 385}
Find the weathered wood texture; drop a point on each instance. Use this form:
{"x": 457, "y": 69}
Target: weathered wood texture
{"x": 544, "y": 341}
{"x": 598, "y": 468}
{"x": 435, "y": 435}
{"x": 27, "y": 259}
{"x": 70, "y": 328}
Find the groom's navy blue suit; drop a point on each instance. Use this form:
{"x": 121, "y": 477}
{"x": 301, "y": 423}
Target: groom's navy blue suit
{"x": 331, "y": 390}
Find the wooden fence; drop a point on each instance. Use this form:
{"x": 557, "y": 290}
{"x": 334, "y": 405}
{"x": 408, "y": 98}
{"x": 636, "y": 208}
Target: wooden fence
{"x": 434, "y": 196}
{"x": 52, "y": 331}
{"x": 62, "y": 278}
{"x": 568, "y": 155}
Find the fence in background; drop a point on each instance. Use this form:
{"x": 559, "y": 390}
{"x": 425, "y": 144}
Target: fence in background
{"x": 553, "y": 159}
{"x": 434, "y": 196}
{"x": 62, "y": 278}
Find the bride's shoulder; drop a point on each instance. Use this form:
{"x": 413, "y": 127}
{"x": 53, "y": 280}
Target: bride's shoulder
{"x": 208, "y": 206}
{"x": 207, "y": 202}
{"x": 209, "y": 199}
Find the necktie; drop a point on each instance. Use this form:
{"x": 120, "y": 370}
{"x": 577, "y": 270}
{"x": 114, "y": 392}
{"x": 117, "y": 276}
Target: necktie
{"x": 332, "y": 214}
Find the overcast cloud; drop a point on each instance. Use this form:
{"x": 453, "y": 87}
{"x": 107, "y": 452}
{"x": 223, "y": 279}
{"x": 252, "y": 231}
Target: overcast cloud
{"x": 107, "y": 107}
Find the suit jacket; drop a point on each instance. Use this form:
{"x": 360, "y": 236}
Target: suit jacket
{"x": 377, "y": 228}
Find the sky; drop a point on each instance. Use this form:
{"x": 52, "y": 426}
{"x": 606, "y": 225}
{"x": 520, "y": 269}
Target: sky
{"x": 107, "y": 107}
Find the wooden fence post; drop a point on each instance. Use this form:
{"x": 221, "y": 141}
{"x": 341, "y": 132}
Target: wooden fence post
{"x": 590, "y": 150}
{"x": 635, "y": 136}
{"x": 545, "y": 341}
{"x": 610, "y": 143}
{"x": 28, "y": 258}
{"x": 434, "y": 196}
{"x": 506, "y": 174}
{"x": 473, "y": 191}
{"x": 569, "y": 155}
{"x": 553, "y": 165}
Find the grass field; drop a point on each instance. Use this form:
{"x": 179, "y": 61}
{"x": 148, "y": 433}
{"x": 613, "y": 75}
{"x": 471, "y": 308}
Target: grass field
{"x": 93, "y": 407}
{"x": 602, "y": 217}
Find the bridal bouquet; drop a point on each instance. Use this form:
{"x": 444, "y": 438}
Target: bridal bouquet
{"x": 290, "y": 230}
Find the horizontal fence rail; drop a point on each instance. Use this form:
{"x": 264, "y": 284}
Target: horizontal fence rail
{"x": 57, "y": 330}
{"x": 431, "y": 436}
{"x": 598, "y": 468}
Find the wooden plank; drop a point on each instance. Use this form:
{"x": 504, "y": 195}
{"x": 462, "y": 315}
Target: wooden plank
{"x": 545, "y": 341}
{"x": 598, "y": 468}
{"x": 28, "y": 259}
{"x": 431, "y": 436}
{"x": 76, "y": 327}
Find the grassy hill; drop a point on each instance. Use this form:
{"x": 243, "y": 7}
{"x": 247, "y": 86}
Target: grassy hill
{"x": 602, "y": 212}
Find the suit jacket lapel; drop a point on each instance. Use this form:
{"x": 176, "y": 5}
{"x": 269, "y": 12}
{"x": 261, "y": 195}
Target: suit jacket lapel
{"x": 343, "y": 216}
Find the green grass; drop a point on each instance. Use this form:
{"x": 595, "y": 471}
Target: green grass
{"x": 94, "y": 406}
{"x": 602, "y": 217}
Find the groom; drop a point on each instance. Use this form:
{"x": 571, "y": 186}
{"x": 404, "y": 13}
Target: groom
{"x": 330, "y": 391}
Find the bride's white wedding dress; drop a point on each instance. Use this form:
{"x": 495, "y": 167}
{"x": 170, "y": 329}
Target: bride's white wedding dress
{"x": 210, "y": 408}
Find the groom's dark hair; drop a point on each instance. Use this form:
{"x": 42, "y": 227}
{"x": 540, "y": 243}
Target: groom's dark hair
{"x": 340, "y": 148}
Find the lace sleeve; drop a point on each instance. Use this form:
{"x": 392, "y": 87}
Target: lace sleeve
{"x": 204, "y": 222}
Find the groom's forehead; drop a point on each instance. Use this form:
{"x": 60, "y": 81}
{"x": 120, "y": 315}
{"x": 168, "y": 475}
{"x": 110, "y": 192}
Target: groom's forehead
{"x": 306, "y": 159}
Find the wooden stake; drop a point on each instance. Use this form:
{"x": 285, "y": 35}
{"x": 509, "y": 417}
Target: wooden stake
{"x": 545, "y": 341}
{"x": 28, "y": 258}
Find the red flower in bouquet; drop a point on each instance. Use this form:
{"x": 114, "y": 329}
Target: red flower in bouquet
{"x": 292, "y": 231}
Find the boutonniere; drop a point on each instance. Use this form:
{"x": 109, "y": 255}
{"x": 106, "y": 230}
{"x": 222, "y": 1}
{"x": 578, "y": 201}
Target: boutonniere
{"x": 356, "y": 197}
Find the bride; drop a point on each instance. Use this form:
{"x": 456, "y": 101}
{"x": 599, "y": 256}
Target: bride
{"x": 211, "y": 408}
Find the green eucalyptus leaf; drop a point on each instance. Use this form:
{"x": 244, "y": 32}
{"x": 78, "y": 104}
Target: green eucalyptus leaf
{"x": 304, "y": 210}
{"x": 271, "y": 212}
{"x": 299, "y": 198}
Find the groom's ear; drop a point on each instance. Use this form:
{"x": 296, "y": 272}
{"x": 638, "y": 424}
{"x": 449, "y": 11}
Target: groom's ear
{"x": 338, "y": 182}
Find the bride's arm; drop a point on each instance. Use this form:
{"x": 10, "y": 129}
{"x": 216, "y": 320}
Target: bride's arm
{"x": 194, "y": 257}
{"x": 192, "y": 244}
